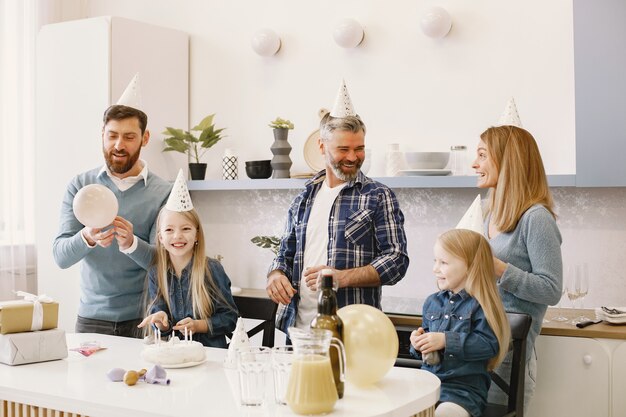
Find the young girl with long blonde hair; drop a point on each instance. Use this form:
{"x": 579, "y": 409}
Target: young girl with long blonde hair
{"x": 464, "y": 324}
{"x": 188, "y": 290}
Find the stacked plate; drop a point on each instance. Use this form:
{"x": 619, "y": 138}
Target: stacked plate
{"x": 614, "y": 315}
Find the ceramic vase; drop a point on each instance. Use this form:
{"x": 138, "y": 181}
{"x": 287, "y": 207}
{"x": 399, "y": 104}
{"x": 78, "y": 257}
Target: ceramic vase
{"x": 281, "y": 162}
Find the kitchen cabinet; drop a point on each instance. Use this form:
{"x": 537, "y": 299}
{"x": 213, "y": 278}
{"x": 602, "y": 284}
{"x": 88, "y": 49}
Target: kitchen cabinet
{"x": 600, "y": 88}
{"x": 83, "y": 66}
{"x": 573, "y": 377}
{"x": 618, "y": 381}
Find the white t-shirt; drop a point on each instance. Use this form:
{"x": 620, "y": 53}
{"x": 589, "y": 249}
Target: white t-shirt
{"x": 316, "y": 248}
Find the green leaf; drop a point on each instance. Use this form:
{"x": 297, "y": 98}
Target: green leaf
{"x": 205, "y": 123}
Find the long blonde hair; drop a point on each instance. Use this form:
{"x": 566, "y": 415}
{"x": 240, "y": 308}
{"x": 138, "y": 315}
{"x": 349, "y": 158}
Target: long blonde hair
{"x": 474, "y": 250}
{"x": 202, "y": 287}
{"x": 522, "y": 180}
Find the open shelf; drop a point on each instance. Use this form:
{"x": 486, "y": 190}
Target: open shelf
{"x": 450, "y": 181}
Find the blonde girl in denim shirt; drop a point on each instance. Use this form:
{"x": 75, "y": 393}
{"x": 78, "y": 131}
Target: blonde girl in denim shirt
{"x": 188, "y": 289}
{"x": 464, "y": 324}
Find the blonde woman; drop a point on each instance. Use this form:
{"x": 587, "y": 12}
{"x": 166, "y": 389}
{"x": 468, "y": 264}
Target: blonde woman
{"x": 464, "y": 324}
{"x": 520, "y": 225}
{"x": 188, "y": 290}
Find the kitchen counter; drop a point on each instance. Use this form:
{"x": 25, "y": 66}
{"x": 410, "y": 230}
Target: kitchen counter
{"x": 551, "y": 328}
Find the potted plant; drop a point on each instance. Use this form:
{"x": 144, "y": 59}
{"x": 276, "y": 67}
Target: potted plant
{"x": 281, "y": 162}
{"x": 184, "y": 141}
{"x": 270, "y": 242}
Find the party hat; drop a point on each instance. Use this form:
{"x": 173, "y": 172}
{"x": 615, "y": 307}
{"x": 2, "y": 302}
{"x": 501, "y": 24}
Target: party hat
{"x": 179, "y": 199}
{"x": 473, "y": 217}
{"x": 240, "y": 339}
{"x": 509, "y": 116}
{"x": 131, "y": 97}
{"x": 343, "y": 105}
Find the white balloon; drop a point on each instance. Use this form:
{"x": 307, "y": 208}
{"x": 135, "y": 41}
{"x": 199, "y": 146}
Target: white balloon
{"x": 436, "y": 23}
{"x": 348, "y": 33}
{"x": 371, "y": 343}
{"x": 95, "y": 206}
{"x": 265, "y": 42}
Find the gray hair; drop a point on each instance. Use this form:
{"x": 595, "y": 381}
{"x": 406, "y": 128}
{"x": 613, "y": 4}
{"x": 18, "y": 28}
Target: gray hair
{"x": 329, "y": 124}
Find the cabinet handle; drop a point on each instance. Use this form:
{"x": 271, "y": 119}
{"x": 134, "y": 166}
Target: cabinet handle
{"x": 587, "y": 359}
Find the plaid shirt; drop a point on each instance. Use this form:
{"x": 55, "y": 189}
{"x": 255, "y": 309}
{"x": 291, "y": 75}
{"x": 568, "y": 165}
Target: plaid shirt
{"x": 366, "y": 227}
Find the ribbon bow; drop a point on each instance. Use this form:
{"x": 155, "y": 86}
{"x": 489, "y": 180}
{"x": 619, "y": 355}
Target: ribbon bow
{"x": 37, "y": 322}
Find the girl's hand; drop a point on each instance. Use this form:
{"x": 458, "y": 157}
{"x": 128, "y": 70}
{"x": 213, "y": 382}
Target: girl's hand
{"x": 159, "y": 319}
{"x": 196, "y": 326}
{"x": 499, "y": 267}
{"x": 429, "y": 342}
{"x": 414, "y": 335}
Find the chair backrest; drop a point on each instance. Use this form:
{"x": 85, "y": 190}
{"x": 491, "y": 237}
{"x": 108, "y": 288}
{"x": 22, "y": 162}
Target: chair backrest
{"x": 258, "y": 308}
{"x": 520, "y": 326}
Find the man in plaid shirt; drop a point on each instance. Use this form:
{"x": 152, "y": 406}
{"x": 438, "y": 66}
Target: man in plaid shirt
{"x": 344, "y": 221}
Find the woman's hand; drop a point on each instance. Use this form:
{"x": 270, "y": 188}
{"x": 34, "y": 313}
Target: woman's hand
{"x": 195, "y": 326}
{"x": 159, "y": 319}
{"x": 499, "y": 267}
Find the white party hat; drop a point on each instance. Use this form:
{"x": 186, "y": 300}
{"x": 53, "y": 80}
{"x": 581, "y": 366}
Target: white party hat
{"x": 131, "y": 97}
{"x": 179, "y": 199}
{"x": 240, "y": 339}
{"x": 509, "y": 116}
{"x": 343, "y": 105}
{"x": 473, "y": 217}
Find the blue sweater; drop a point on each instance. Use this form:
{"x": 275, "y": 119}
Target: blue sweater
{"x": 111, "y": 282}
{"x": 533, "y": 278}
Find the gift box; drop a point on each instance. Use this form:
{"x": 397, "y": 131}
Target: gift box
{"x": 22, "y": 316}
{"x": 30, "y": 347}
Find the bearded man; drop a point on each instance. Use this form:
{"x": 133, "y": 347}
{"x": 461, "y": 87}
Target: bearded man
{"x": 342, "y": 221}
{"x": 114, "y": 258}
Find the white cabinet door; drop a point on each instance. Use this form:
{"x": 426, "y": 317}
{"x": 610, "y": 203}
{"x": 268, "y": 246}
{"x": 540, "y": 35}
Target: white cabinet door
{"x": 573, "y": 375}
{"x": 618, "y": 381}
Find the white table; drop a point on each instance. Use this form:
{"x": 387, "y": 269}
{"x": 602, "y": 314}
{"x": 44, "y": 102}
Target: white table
{"x": 78, "y": 385}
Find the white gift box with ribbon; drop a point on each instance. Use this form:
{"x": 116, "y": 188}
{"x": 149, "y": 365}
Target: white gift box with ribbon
{"x": 30, "y": 347}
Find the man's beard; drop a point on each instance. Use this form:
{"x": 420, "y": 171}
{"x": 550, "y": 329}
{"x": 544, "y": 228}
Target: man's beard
{"x": 336, "y": 168}
{"x": 121, "y": 167}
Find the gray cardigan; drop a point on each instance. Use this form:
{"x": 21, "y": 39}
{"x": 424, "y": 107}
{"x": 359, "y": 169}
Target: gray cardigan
{"x": 533, "y": 278}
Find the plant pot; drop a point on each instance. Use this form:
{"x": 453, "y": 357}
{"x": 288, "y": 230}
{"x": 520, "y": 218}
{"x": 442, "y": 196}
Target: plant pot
{"x": 281, "y": 162}
{"x": 197, "y": 171}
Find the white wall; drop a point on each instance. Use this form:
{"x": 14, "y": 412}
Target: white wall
{"x": 425, "y": 94}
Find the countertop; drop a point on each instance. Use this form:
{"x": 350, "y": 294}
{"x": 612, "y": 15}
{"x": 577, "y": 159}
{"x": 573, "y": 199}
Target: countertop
{"x": 550, "y": 328}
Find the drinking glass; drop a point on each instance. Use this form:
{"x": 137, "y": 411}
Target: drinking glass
{"x": 572, "y": 291}
{"x": 253, "y": 363}
{"x": 582, "y": 286}
{"x": 282, "y": 358}
{"x": 560, "y": 316}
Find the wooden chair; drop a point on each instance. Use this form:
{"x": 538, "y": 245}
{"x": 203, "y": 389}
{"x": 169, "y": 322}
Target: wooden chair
{"x": 255, "y": 304}
{"x": 520, "y": 326}
{"x": 514, "y": 388}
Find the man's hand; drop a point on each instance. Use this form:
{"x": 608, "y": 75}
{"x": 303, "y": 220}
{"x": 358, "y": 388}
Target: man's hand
{"x": 98, "y": 236}
{"x": 123, "y": 232}
{"x": 279, "y": 288}
{"x": 427, "y": 342}
{"x": 159, "y": 319}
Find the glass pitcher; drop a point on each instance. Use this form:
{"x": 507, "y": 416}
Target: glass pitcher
{"x": 311, "y": 388}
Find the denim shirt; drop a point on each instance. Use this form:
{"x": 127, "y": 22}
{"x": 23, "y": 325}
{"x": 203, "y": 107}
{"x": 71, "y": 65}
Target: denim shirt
{"x": 366, "y": 227}
{"x": 224, "y": 316}
{"x": 470, "y": 343}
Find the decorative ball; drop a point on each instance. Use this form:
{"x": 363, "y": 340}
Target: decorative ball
{"x": 371, "y": 343}
{"x": 436, "y": 22}
{"x": 95, "y": 206}
{"x": 348, "y": 33}
{"x": 266, "y": 42}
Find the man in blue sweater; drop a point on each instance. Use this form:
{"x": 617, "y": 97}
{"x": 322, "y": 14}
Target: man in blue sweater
{"x": 114, "y": 258}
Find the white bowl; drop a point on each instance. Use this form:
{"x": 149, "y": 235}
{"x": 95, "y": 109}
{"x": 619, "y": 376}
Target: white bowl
{"x": 426, "y": 160}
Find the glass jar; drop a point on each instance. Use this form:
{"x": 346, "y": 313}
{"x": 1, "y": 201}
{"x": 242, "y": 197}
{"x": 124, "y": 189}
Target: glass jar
{"x": 458, "y": 156}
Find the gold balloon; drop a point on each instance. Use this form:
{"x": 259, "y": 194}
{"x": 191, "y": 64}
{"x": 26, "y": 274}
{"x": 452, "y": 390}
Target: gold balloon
{"x": 371, "y": 343}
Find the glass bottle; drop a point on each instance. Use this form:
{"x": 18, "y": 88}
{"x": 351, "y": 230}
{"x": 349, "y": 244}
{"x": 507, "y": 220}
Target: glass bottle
{"x": 458, "y": 154}
{"x": 328, "y": 319}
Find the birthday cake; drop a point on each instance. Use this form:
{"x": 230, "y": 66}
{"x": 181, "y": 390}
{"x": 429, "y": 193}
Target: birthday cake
{"x": 174, "y": 352}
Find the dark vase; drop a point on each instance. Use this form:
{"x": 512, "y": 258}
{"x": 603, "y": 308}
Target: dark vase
{"x": 281, "y": 162}
{"x": 197, "y": 171}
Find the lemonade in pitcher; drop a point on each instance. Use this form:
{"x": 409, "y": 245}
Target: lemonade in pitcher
{"x": 311, "y": 388}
